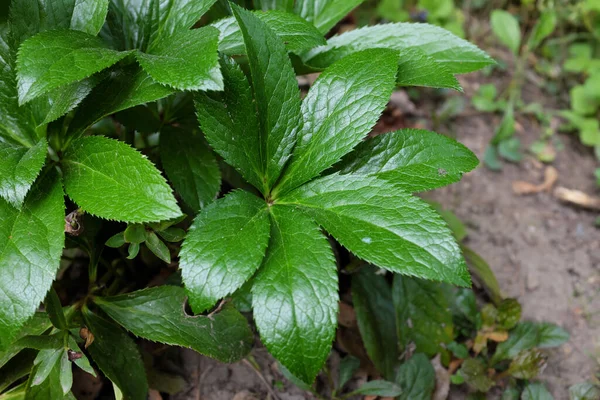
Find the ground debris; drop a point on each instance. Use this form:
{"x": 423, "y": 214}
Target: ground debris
{"x": 550, "y": 178}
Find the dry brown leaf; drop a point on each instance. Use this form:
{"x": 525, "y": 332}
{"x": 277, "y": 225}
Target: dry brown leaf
{"x": 550, "y": 178}
{"x": 577, "y": 198}
{"x": 347, "y": 316}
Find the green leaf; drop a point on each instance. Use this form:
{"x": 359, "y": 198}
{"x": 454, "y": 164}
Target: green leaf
{"x": 133, "y": 250}
{"x": 50, "y": 387}
{"x": 296, "y": 33}
{"x": 506, "y": 129}
{"x": 324, "y": 14}
{"x": 265, "y": 5}
{"x": 416, "y": 68}
{"x": 527, "y": 364}
{"x": 379, "y": 388}
{"x": 348, "y": 366}
{"x": 584, "y": 391}
{"x": 276, "y": 94}
{"x": 56, "y": 58}
{"x": 109, "y": 179}
{"x": 178, "y": 15}
{"x": 31, "y": 243}
{"x": 190, "y": 166}
{"x": 459, "y": 230}
{"x": 135, "y": 233}
{"x": 116, "y": 241}
{"x": 66, "y": 373}
{"x": 482, "y": 271}
{"x": 172, "y": 235}
{"x": 157, "y": 314}
{"x": 83, "y": 362}
{"x": 383, "y": 225}
{"x": 416, "y": 377}
{"x": 509, "y": 313}
{"x": 54, "y": 310}
{"x": 62, "y": 100}
{"x": 510, "y": 149}
{"x": 19, "y": 166}
{"x": 506, "y": 28}
{"x": 372, "y": 299}
{"x": 536, "y": 391}
{"x": 422, "y": 314}
{"x": 230, "y": 124}
{"x": 411, "y": 159}
{"x": 338, "y": 112}
{"x": 543, "y": 28}
{"x": 491, "y": 158}
{"x": 551, "y": 335}
{"x": 295, "y": 294}
{"x": 17, "y": 368}
{"x": 224, "y": 248}
{"x": 457, "y": 55}
{"x": 475, "y": 374}
{"x": 89, "y": 15}
{"x": 117, "y": 355}
{"x": 525, "y": 336}
{"x": 187, "y": 60}
{"x": 36, "y": 325}
{"x": 158, "y": 247}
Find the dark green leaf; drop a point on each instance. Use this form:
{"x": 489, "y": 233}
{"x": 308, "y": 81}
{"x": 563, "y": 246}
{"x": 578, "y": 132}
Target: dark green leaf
{"x": 116, "y": 241}
{"x": 379, "y": 388}
{"x": 178, "y": 15}
{"x": 295, "y": 294}
{"x": 134, "y": 233}
{"x": 324, "y": 14}
{"x": 83, "y": 361}
{"x": 525, "y": 336}
{"x": 109, "y": 179}
{"x": 536, "y": 391}
{"x": 17, "y": 368}
{"x": 40, "y": 342}
{"x": 527, "y": 364}
{"x": 45, "y": 362}
{"x": 157, "y": 246}
{"x": 506, "y": 28}
{"x": 417, "y": 68}
{"x": 56, "y": 58}
{"x": 511, "y": 394}
{"x": 129, "y": 23}
{"x": 348, "y": 367}
{"x": 416, "y": 377}
{"x": 36, "y": 325}
{"x": 458, "y": 349}
{"x": 509, "y": 313}
{"x": 276, "y": 94}
{"x": 172, "y": 235}
{"x": 475, "y": 375}
{"x": 457, "y": 55}
{"x": 31, "y": 243}
{"x": 481, "y": 270}
{"x": 383, "y": 225}
{"x": 157, "y": 314}
{"x": 190, "y": 166}
{"x": 338, "y": 112}
{"x": 551, "y": 335}
{"x": 49, "y": 388}
{"x": 422, "y": 314}
{"x": 411, "y": 159}
{"x": 54, "y": 310}
{"x": 584, "y": 391}
{"x": 19, "y": 166}
{"x": 133, "y": 250}
{"x": 117, "y": 356}
{"x": 224, "y": 248}
{"x": 372, "y": 299}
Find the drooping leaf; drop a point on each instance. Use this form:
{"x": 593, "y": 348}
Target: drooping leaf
{"x": 224, "y": 248}
{"x": 31, "y": 243}
{"x": 339, "y": 111}
{"x": 295, "y": 294}
{"x": 324, "y": 14}
{"x": 276, "y": 94}
{"x": 19, "y": 166}
{"x": 89, "y": 15}
{"x": 379, "y": 388}
{"x": 297, "y": 34}
{"x": 117, "y": 355}
{"x": 411, "y": 159}
{"x": 422, "y": 315}
{"x": 416, "y": 377}
{"x": 56, "y": 58}
{"x": 109, "y": 179}
{"x": 157, "y": 314}
{"x": 383, "y": 225}
{"x": 506, "y": 28}
{"x": 372, "y": 299}
{"x": 536, "y": 391}
{"x": 190, "y": 166}
{"x": 457, "y": 55}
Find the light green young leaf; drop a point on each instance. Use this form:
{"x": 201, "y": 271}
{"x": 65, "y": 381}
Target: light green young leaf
{"x": 383, "y": 225}
{"x": 411, "y": 159}
{"x": 416, "y": 377}
{"x": 536, "y": 391}
{"x": 372, "y": 299}
{"x": 422, "y": 314}
{"x": 112, "y": 180}
{"x": 19, "y": 166}
{"x": 31, "y": 243}
{"x": 190, "y": 165}
{"x": 324, "y": 14}
{"x": 295, "y": 294}
{"x": 456, "y": 54}
{"x": 157, "y": 314}
{"x": 89, "y": 15}
{"x": 56, "y": 58}
{"x": 117, "y": 355}
{"x": 276, "y": 94}
{"x": 224, "y": 247}
{"x": 506, "y": 28}
{"x": 339, "y": 111}
{"x": 296, "y": 33}
{"x": 379, "y": 388}
{"x": 158, "y": 247}
{"x": 542, "y": 28}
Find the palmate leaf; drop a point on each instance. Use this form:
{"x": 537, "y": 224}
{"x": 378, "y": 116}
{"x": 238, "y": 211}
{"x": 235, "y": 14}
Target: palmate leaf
{"x": 31, "y": 239}
{"x": 224, "y": 247}
{"x": 295, "y": 294}
{"x": 383, "y": 225}
{"x": 157, "y": 314}
{"x": 19, "y": 166}
{"x": 112, "y": 180}
{"x": 324, "y": 14}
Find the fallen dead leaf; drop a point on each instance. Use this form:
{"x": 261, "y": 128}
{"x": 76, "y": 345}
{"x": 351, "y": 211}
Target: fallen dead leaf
{"x": 442, "y": 380}
{"x": 550, "y": 178}
{"x": 577, "y": 198}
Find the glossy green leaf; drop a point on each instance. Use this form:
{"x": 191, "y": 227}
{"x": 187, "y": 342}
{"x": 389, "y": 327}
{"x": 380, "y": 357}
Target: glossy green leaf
{"x": 506, "y": 28}
{"x": 543, "y": 28}
{"x": 89, "y": 15}
{"x": 276, "y": 94}
{"x": 383, "y": 225}
{"x": 475, "y": 374}
{"x": 172, "y": 235}
{"x": 422, "y": 314}
{"x": 178, "y": 15}
{"x": 157, "y": 314}
{"x": 62, "y": 100}
{"x": 35, "y": 325}
{"x": 50, "y": 387}
{"x": 527, "y": 364}
{"x": 158, "y": 247}
{"x": 455, "y": 54}
{"x": 295, "y": 294}
{"x": 54, "y": 310}
{"x": 379, "y": 388}
{"x": 19, "y": 166}
{"x": 536, "y": 391}
{"x": 338, "y": 112}
{"x": 416, "y": 377}
{"x": 224, "y": 248}
{"x": 83, "y": 362}
{"x": 109, "y": 179}
{"x": 266, "y": 5}
{"x": 584, "y": 391}
{"x": 375, "y": 315}
{"x": 296, "y": 33}
{"x": 56, "y": 58}
{"x": 411, "y": 159}
{"x": 117, "y": 355}
{"x": 66, "y": 373}
{"x": 135, "y": 233}
{"x": 324, "y": 14}
{"x": 190, "y": 165}
{"x": 31, "y": 243}
{"x": 130, "y": 23}
{"x": 417, "y": 68}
